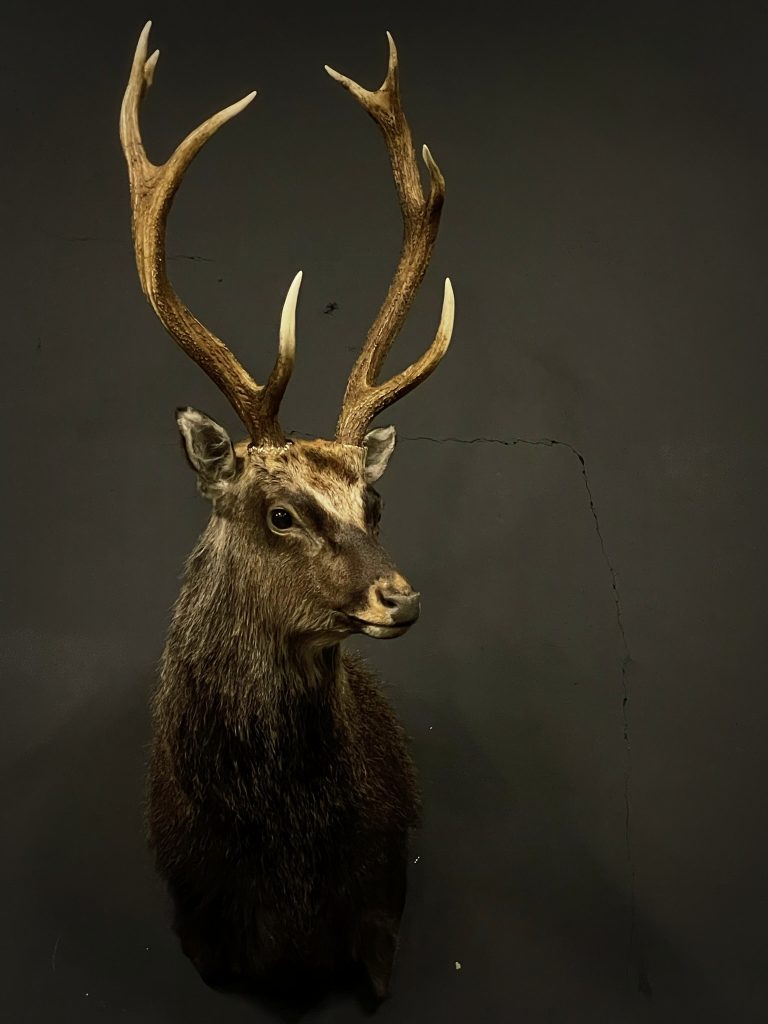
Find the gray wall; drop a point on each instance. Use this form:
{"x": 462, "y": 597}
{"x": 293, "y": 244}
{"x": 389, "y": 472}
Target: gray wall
{"x": 586, "y": 688}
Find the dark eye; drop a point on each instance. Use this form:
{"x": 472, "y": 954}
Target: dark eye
{"x": 281, "y": 519}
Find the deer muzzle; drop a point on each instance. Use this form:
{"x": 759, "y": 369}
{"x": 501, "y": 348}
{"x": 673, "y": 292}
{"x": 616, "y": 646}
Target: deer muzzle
{"x": 391, "y": 609}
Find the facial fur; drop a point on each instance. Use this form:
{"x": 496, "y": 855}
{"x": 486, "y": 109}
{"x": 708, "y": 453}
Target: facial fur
{"x": 300, "y": 524}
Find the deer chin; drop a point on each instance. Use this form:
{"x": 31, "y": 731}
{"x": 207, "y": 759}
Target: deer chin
{"x": 378, "y": 630}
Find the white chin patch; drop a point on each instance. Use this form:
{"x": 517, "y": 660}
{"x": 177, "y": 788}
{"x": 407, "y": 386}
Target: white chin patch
{"x": 384, "y": 632}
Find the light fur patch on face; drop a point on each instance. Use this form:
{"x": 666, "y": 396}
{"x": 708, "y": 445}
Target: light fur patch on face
{"x": 332, "y": 473}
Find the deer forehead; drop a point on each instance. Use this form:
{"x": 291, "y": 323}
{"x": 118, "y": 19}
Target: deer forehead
{"x": 330, "y": 473}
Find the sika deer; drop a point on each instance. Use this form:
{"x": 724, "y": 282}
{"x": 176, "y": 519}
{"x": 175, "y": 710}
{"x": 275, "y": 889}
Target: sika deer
{"x": 281, "y": 793}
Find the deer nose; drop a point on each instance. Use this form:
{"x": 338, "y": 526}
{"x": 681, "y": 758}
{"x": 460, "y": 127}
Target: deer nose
{"x": 403, "y": 605}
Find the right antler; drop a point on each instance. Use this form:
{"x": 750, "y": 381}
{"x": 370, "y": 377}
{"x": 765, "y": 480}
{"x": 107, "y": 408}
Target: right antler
{"x": 152, "y": 192}
{"x": 363, "y": 398}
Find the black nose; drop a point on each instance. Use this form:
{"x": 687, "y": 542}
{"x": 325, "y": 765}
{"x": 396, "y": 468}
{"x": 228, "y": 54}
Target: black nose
{"x": 403, "y": 605}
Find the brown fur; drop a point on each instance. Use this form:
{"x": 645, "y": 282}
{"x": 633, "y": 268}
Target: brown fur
{"x": 281, "y": 794}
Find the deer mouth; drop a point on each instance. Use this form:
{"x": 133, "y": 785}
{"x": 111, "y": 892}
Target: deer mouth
{"x": 380, "y": 630}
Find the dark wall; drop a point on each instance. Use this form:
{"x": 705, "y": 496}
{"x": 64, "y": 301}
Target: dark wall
{"x": 579, "y": 492}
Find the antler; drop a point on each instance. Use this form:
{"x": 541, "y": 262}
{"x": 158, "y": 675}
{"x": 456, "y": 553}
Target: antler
{"x": 363, "y": 398}
{"x": 152, "y": 191}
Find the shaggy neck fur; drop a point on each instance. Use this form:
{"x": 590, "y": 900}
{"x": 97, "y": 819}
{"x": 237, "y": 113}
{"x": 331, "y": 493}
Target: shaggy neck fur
{"x": 229, "y": 651}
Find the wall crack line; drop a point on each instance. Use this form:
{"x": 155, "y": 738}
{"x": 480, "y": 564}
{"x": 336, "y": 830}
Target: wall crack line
{"x": 626, "y": 661}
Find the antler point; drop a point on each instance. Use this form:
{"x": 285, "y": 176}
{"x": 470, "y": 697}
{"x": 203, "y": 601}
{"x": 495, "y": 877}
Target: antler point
{"x": 149, "y": 67}
{"x": 391, "y": 79}
{"x": 448, "y": 313}
{"x": 141, "y": 45}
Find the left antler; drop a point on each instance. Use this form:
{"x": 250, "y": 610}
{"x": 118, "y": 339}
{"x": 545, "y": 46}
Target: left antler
{"x": 152, "y": 190}
{"x": 364, "y": 398}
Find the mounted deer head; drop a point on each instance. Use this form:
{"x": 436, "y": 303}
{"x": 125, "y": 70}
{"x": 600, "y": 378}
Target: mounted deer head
{"x": 300, "y": 517}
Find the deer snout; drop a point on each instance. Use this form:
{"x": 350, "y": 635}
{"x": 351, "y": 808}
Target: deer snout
{"x": 390, "y": 608}
{"x": 402, "y": 604}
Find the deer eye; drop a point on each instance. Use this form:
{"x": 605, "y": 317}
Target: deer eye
{"x": 281, "y": 519}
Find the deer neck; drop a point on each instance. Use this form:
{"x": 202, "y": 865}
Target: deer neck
{"x": 226, "y": 629}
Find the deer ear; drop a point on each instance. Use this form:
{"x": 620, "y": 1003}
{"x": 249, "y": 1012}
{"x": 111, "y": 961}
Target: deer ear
{"x": 207, "y": 446}
{"x": 379, "y": 445}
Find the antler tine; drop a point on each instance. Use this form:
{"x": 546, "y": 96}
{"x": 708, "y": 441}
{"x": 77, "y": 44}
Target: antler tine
{"x": 283, "y": 368}
{"x": 363, "y": 398}
{"x": 153, "y": 188}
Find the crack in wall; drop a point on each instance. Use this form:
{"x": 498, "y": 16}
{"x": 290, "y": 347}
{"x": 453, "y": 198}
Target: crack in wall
{"x": 549, "y": 442}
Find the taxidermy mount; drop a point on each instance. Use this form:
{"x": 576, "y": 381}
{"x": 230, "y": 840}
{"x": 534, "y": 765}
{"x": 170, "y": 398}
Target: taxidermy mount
{"x": 281, "y": 793}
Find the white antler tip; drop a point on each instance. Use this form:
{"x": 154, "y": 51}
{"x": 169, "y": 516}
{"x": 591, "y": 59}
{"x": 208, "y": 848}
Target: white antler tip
{"x": 392, "y": 68}
{"x": 288, "y": 319}
{"x": 149, "y": 67}
{"x": 236, "y": 108}
{"x": 141, "y": 45}
{"x": 431, "y": 163}
{"x": 447, "y": 316}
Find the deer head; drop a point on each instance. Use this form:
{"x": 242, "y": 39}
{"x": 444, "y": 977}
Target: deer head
{"x": 299, "y": 517}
